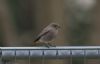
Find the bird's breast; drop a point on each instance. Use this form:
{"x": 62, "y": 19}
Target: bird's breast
{"x": 49, "y": 36}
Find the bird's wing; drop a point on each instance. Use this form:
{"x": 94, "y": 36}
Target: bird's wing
{"x": 45, "y": 31}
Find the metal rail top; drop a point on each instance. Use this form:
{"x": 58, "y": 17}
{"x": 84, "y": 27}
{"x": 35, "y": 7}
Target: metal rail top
{"x": 55, "y": 48}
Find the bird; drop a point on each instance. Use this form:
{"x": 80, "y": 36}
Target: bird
{"x": 48, "y": 34}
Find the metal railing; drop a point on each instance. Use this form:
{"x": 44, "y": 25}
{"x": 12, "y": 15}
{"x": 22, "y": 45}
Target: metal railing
{"x": 52, "y": 52}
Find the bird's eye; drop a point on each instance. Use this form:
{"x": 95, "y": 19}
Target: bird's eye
{"x": 54, "y": 25}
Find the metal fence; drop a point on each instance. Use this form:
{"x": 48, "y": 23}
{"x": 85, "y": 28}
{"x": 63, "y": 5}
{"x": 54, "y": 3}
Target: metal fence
{"x": 60, "y": 52}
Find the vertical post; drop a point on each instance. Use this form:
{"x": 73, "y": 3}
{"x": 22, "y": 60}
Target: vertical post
{"x": 0, "y": 56}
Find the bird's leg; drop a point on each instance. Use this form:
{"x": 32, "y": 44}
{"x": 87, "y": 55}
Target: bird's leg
{"x": 47, "y": 45}
{"x": 51, "y": 44}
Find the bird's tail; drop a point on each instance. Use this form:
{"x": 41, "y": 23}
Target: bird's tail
{"x": 37, "y": 39}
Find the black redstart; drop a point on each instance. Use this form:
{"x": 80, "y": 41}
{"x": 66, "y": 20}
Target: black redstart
{"x": 48, "y": 34}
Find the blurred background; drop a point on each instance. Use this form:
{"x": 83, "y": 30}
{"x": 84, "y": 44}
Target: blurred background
{"x": 22, "y": 20}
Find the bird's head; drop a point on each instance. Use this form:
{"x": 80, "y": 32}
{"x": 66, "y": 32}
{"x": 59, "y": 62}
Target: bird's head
{"x": 55, "y": 25}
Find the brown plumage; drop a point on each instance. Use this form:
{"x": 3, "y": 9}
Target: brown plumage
{"x": 48, "y": 34}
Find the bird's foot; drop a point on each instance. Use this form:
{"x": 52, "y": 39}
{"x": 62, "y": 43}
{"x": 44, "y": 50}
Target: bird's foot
{"x": 52, "y": 45}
